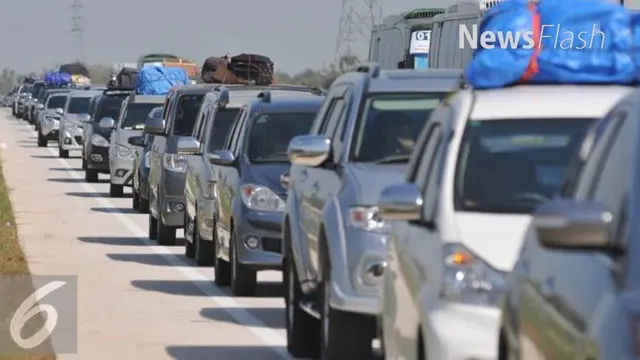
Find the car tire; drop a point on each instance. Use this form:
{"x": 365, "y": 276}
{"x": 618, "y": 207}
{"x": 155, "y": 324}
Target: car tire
{"x": 116, "y": 191}
{"x": 144, "y": 205}
{"x": 153, "y": 228}
{"x": 91, "y": 176}
{"x": 303, "y": 330}
{"x": 189, "y": 246}
{"x": 135, "y": 198}
{"x": 243, "y": 279}
{"x": 41, "y": 140}
{"x": 84, "y": 164}
{"x": 203, "y": 249}
{"x": 348, "y": 335}
{"x": 62, "y": 153}
{"x": 166, "y": 234}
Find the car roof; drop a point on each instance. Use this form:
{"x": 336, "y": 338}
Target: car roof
{"x": 406, "y": 80}
{"x": 547, "y": 101}
{"x": 85, "y": 93}
{"x": 288, "y": 103}
{"x": 240, "y": 97}
{"x": 149, "y": 99}
{"x": 194, "y": 89}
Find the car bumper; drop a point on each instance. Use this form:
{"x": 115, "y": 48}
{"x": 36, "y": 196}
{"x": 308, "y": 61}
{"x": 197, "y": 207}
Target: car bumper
{"x": 266, "y": 227}
{"x": 121, "y": 170}
{"x": 462, "y": 332}
{"x": 98, "y": 159}
{"x": 172, "y": 211}
{"x": 70, "y": 139}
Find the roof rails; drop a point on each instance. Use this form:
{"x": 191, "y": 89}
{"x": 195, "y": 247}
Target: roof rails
{"x": 223, "y": 95}
{"x": 265, "y": 96}
{"x": 113, "y": 91}
{"x": 372, "y": 69}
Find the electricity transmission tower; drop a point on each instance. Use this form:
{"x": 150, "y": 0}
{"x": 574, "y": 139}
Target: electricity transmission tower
{"x": 77, "y": 30}
{"x": 357, "y": 19}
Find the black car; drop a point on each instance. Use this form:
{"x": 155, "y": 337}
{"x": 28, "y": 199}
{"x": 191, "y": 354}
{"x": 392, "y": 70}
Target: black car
{"x": 573, "y": 293}
{"x": 141, "y": 165}
{"x": 95, "y": 154}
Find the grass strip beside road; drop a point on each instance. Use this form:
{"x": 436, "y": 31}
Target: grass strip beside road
{"x": 14, "y": 262}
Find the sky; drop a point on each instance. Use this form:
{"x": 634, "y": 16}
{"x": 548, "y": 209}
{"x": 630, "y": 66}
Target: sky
{"x": 296, "y": 34}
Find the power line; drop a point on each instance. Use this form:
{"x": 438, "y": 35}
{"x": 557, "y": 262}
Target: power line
{"x": 77, "y": 29}
{"x": 357, "y": 19}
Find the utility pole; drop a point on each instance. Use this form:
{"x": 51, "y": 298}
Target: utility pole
{"x": 357, "y": 19}
{"x": 77, "y": 30}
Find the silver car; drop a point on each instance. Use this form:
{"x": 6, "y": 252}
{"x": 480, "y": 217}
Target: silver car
{"x": 49, "y": 118}
{"x": 133, "y": 115}
{"x": 76, "y": 112}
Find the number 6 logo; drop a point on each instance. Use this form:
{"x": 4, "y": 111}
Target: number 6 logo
{"x": 30, "y": 308}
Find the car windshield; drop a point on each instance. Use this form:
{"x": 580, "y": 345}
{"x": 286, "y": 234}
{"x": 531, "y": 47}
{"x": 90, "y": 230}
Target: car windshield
{"x": 511, "y": 166}
{"x": 270, "y": 135}
{"x": 57, "y": 102}
{"x": 36, "y": 88}
{"x": 109, "y": 106}
{"x": 220, "y": 130}
{"x": 185, "y": 118}
{"x": 79, "y": 105}
{"x": 390, "y": 124}
{"x": 136, "y": 114}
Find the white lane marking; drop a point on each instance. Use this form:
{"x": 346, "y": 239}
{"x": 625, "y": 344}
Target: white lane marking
{"x": 233, "y": 308}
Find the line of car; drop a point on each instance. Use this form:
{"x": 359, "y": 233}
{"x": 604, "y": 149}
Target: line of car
{"x": 403, "y": 207}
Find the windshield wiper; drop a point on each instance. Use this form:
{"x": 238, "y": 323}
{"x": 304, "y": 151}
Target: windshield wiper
{"x": 394, "y": 159}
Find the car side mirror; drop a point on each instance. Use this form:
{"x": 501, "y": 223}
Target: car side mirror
{"x": 309, "y": 150}
{"x": 222, "y": 157}
{"x": 154, "y": 126}
{"x": 107, "y": 123}
{"x": 401, "y": 202}
{"x": 84, "y": 118}
{"x": 188, "y": 146}
{"x": 285, "y": 179}
{"x": 39, "y": 106}
{"x": 136, "y": 141}
{"x": 570, "y": 224}
{"x": 59, "y": 111}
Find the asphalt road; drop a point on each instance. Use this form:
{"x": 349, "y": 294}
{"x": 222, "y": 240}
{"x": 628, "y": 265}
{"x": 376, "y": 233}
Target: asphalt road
{"x": 136, "y": 300}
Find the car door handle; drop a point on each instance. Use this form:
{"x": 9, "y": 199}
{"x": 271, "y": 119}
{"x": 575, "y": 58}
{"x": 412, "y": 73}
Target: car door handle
{"x": 547, "y": 287}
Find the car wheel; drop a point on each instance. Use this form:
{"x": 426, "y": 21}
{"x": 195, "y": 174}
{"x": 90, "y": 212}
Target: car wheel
{"x": 243, "y": 279}
{"x": 189, "y": 246}
{"x": 166, "y": 234}
{"x": 84, "y": 164}
{"x": 41, "y": 140}
{"x": 343, "y": 335}
{"x": 135, "y": 199}
{"x": 144, "y": 205}
{"x": 303, "y": 329}
{"x": 64, "y": 154}
{"x": 204, "y": 249}
{"x": 115, "y": 190}
{"x": 91, "y": 176}
{"x": 153, "y": 227}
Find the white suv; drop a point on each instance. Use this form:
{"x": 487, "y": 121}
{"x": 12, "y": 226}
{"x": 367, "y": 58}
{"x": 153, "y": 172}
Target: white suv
{"x": 484, "y": 161}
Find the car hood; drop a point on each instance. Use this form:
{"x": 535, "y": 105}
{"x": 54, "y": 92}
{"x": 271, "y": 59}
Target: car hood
{"x": 496, "y": 238}
{"x": 268, "y": 175}
{"x": 370, "y": 179}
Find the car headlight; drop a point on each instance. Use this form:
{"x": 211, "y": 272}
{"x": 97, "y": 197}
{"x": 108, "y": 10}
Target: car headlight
{"x": 209, "y": 190}
{"x": 123, "y": 151}
{"x": 367, "y": 218}
{"x": 147, "y": 160}
{"x": 97, "y": 140}
{"x": 470, "y": 280}
{"x": 261, "y": 198}
{"x": 175, "y": 162}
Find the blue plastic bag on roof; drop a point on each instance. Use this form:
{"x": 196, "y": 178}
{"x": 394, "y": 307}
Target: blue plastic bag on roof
{"x": 158, "y": 80}
{"x": 554, "y": 42}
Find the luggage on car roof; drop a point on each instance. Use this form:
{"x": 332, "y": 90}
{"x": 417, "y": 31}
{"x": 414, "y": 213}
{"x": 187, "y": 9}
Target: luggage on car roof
{"x": 240, "y": 69}
{"x": 74, "y": 69}
{"x": 571, "y": 41}
{"x": 127, "y": 78}
{"x": 158, "y": 80}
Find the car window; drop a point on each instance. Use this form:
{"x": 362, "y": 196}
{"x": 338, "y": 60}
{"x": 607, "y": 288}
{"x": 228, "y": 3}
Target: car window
{"x": 78, "y": 105}
{"x": 510, "y": 166}
{"x": 270, "y": 134}
{"x": 224, "y": 118}
{"x": 389, "y": 124}
{"x": 186, "y": 113}
{"x": 109, "y": 106}
{"x": 201, "y": 122}
{"x": 136, "y": 115}
{"x": 57, "y": 102}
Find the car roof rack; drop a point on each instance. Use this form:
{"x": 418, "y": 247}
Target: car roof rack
{"x": 372, "y": 69}
{"x": 223, "y": 95}
{"x": 115, "y": 91}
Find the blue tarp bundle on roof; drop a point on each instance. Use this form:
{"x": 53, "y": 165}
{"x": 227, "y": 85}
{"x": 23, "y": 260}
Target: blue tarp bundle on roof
{"x": 556, "y": 42}
{"x": 158, "y": 80}
{"x": 57, "y": 79}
